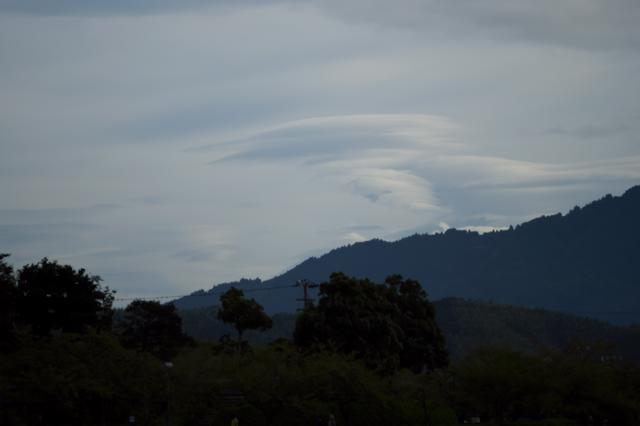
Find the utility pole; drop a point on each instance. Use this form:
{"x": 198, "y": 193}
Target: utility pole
{"x": 306, "y": 285}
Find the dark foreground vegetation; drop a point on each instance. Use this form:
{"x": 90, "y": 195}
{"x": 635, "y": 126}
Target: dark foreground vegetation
{"x": 366, "y": 354}
{"x": 91, "y": 379}
{"x": 466, "y": 325}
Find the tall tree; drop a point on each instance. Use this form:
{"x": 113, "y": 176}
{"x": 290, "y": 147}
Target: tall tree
{"x": 390, "y": 325}
{"x": 242, "y": 313}
{"x": 150, "y": 326}
{"x": 8, "y": 294}
{"x": 53, "y": 296}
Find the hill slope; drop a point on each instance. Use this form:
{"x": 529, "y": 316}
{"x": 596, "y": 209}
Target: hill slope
{"x": 466, "y": 325}
{"x": 584, "y": 262}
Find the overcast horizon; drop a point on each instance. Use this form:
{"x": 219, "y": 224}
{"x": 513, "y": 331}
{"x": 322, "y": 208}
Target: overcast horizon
{"x": 168, "y": 146}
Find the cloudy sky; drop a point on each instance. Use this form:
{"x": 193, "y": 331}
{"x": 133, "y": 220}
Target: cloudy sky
{"x": 170, "y": 145}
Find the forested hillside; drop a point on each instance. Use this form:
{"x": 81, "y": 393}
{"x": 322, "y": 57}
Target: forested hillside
{"x": 583, "y": 262}
{"x": 467, "y": 325}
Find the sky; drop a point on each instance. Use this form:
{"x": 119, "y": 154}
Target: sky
{"x": 171, "y": 145}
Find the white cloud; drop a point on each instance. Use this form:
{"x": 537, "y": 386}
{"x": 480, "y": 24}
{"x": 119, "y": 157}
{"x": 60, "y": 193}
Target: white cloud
{"x": 354, "y": 237}
{"x": 397, "y": 159}
{"x": 168, "y": 150}
{"x": 362, "y": 153}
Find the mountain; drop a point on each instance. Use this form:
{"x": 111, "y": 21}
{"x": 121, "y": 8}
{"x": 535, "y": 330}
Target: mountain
{"x": 585, "y": 262}
{"x": 466, "y": 325}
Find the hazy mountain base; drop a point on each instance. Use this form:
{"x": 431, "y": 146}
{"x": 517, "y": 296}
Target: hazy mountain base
{"x": 467, "y": 325}
{"x": 584, "y": 262}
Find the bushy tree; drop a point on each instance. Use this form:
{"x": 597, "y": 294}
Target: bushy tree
{"x": 57, "y": 297}
{"x": 150, "y": 326}
{"x": 79, "y": 379}
{"x": 242, "y": 313}
{"x": 287, "y": 387}
{"x": 8, "y": 294}
{"x": 501, "y": 385}
{"x": 390, "y": 325}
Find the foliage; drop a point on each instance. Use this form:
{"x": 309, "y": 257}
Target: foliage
{"x": 470, "y": 324}
{"x": 503, "y": 385}
{"x": 286, "y": 388}
{"x": 8, "y": 295}
{"x": 202, "y": 324}
{"x": 499, "y": 384}
{"x": 150, "y": 326}
{"x": 466, "y": 326}
{"x": 57, "y": 297}
{"x": 391, "y": 325}
{"x": 67, "y": 378}
{"x": 80, "y": 379}
{"x": 242, "y": 313}
{"x": 75, "y": 379}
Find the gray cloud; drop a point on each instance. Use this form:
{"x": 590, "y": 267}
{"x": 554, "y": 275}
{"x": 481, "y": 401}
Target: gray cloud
{"x": 416, "y": 162}
{"x": 582, "y": 24}
{"x": 115, "y": 7}
{"x": 335, "y": 137}
{"x": 168, "y": 146}
{"x": 54, "y": 215}
{"x": 591, "y": 131}
{"x": 13, "y": 236}
{"x": 205, "y": 254}
{"x": 360, "y": 151}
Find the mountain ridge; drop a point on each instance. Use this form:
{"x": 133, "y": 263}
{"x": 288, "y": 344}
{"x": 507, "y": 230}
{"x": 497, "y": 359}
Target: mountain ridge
{"x": 583, "y": 262}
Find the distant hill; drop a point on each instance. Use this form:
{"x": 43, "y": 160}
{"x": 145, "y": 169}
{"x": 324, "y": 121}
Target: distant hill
{"x": 466, "y": 325}
{"x": 469, "y": 324}
{"x": 585, "y": 262}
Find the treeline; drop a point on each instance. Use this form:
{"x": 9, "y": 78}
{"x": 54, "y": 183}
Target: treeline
{"x": 90, "y": 379}
{"x": 364, "y": 354}
{"x": 467, "y": 325}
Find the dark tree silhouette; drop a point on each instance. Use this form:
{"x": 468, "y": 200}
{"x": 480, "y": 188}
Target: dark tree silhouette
{"x": 8, "y": 294}
{"x": 242, "y": 313}
{"x": 152, "y": 327}
{"x": 52, "y": 296}
{"x": 389, "y": 326}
